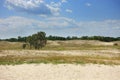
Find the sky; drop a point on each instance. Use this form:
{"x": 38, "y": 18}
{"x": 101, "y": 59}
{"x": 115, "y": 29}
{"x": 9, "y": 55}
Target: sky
{"x": 60, "y": 17}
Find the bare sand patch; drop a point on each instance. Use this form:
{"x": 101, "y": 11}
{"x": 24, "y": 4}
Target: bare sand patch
{"x": 59, "y": 72}
{"x": 105, "y": 53}
{"x": 80, "y": 42}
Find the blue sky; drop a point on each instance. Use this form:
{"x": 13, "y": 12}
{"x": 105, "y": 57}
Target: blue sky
{"x": 60, "y": 17}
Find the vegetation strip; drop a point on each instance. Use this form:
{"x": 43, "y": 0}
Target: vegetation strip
{"x": 58, "y": 59}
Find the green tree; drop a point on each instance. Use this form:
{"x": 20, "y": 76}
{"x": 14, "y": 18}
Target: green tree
{"x": 37, "y": 40}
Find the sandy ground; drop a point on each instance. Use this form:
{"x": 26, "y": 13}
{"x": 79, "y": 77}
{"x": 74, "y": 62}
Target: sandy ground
{"x": 59, "y": 72}
{"x": 105, "y": 53}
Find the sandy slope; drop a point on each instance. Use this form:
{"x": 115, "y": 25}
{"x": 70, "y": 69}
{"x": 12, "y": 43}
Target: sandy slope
{"x": 59, "y": 72}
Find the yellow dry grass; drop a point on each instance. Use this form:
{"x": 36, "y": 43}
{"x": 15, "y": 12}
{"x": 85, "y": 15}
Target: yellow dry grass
{"x": 72, "y": 51}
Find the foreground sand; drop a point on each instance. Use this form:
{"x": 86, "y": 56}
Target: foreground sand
{"x": 59, "y": 72}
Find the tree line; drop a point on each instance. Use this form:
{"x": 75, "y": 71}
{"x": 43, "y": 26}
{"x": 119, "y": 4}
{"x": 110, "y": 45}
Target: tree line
{"x": 100, "y": 38}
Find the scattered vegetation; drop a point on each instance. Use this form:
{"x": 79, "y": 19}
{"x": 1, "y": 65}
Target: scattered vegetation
{"x": 56, "y": 59}
{"x": 40, "y": 41}
{"x": 63, "y": 45}
{"x": 10, "y": 59}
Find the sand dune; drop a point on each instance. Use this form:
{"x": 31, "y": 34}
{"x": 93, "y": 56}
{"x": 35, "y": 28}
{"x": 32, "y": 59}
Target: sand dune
{"x": 59, "y": 72}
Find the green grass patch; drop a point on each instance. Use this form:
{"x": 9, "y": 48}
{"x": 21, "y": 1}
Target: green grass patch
{"x": 58, "y": 60}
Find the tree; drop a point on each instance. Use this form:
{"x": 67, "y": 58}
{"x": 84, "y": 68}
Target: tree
{"x": 37, "y": 40}
{"x": 30, "y": 40}
{"x": 24, "y": 46}
{"x": 68, "y": 38}
{"x": 41, "y": 39}
{"x": 21, "y": 39}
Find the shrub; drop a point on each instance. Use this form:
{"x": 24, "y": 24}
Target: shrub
{"x": 115, "y": 44}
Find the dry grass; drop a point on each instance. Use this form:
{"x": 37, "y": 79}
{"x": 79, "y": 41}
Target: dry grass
{"x": 65, "y": 45}
{"x": 19, "y": 57}
{"x": 57, "y": 52}
{"x": 59, "y": 59}
{"x": 4, "y": 45}
{"x": 81, "y": 45}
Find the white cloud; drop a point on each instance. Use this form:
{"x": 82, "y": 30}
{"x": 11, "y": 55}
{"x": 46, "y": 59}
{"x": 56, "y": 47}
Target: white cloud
{"x": 63, "y": 1}
{"x": 29, "y": 6}
{"x": 55, "y": 9}
{"x": 69, "y": 10}
{"x": 24, "y": 3}
{"x": 42, "y": 15}
{"x": 56, "y": 4}
{"x": 88, "y": 4}
{"x": 38, "y": 7}
{"x": 102, "y": 28}
{"x": 20, "y": 26}
{"x": 14, "y": 26}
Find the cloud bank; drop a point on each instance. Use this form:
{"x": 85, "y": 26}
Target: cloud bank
{"x": 19, "y": 26}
